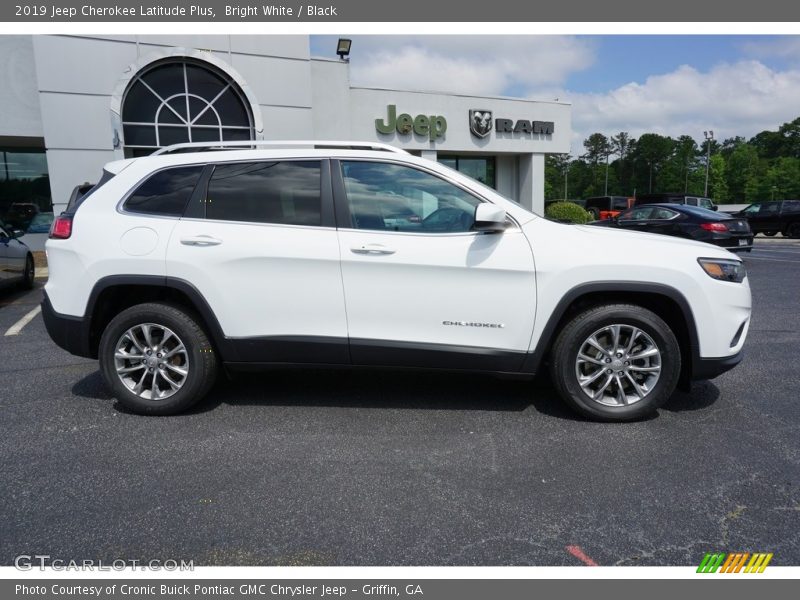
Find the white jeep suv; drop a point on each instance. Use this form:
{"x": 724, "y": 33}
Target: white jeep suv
{"x": 357, "y": 254}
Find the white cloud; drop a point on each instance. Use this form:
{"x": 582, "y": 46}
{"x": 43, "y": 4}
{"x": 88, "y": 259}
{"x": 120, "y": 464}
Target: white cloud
{"x": 783, "y": 47}
{"x": 479, "y": 65}
{"x": 742, "y": 98}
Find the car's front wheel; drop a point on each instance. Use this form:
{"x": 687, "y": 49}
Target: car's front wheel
{"x": 793, "y": 231}
{"x": 157, "y": 359}
{"x": 616, "y": 362}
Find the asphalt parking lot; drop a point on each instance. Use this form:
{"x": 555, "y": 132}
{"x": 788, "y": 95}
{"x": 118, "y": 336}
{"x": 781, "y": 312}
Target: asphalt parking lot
{"x": 374, "y": 468}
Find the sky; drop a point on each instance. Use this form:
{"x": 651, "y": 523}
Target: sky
{"x": 668, "y": 84}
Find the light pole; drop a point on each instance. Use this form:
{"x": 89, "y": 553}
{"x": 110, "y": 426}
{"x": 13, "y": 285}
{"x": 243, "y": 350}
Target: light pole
{"x": 709, "y": 135}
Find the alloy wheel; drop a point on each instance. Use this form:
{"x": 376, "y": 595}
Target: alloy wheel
{"x": 151, "y": 361}
{"x": 618, "y": 365}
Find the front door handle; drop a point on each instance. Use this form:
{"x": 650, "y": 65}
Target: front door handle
{"x": 200, "y": 240}
{"x": 372, "y": 249}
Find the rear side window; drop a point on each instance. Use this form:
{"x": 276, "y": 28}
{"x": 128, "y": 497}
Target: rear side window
{"x": 281, "y": 192}
{"x": 619, "y": 203}
{"x": 792, "y": 206}
{"x": 601, "y": 203}
{"x": 166, "y": 192}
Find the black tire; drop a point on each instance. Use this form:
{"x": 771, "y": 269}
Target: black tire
{"x": 595, "y": 213}
{"x": 793, "y": 231}
{"x": 568, "y": 343}
{"x": 202, "y": 361}
{"x": 770, "y": 233}
{"x": 29, "y": 274}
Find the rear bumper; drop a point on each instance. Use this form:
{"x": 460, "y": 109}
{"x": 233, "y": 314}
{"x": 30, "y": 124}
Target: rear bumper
{"x": 68, "y": 332}
{"x": 709, "y": 368}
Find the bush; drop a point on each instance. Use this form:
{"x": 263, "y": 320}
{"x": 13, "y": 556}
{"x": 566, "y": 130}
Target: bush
{"x": 567, "y": 211}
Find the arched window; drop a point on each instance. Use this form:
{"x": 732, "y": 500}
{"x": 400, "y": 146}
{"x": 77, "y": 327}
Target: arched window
{"x": 182, "y": 101}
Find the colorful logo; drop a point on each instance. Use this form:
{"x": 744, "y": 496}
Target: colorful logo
{"x": 734, "y": 562}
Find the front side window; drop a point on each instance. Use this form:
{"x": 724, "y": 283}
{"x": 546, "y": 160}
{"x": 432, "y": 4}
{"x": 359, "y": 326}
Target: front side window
{"x": 705, "y": 203}
{"x": 165, "y": 193}
{"x": 389, "y": 197}
{"x": 280, "y": 192}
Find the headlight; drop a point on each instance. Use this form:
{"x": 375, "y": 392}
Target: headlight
{"x": 723, "y": 269}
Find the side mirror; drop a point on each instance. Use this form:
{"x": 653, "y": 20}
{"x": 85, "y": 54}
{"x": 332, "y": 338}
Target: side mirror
{"x": 715, "y": 207}
{"x": 489, "y": 218}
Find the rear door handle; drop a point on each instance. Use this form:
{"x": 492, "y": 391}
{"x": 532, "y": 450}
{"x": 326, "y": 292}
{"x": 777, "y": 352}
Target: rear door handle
{"x": 372, "y": 249}
{"x": 200, "y": 240}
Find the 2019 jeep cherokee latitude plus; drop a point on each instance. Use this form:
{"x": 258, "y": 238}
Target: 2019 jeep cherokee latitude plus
{"x": 348, "y": 254}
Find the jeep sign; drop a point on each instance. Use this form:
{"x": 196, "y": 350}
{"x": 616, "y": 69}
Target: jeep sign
{"x": 433, "y": 126}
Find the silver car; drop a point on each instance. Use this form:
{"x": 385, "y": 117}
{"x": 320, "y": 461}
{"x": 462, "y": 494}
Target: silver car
{"x": 16, "y": 259}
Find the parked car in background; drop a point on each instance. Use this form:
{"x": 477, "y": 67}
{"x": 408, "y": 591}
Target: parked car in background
{"x": 682, "y": 220}
{"x": 605, "y": 207}
{"x": 769, "y": 218}
{"x": 20, "y": 215}
{"x": 687, "y": 199}
{"x": 41, "y": 223}
{"x": 16, "y": 259}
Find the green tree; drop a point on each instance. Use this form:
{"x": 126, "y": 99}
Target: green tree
{"x": 597, "y": 149}
{"x": 622, "y": 145}
{"x": 653, "y": 150}
{"x": 717, "y": 186}
{"x": 742, "y": 167}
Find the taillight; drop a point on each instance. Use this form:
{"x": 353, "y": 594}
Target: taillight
{"x": 62, "y": 227}
{"x": 714, "y": 226}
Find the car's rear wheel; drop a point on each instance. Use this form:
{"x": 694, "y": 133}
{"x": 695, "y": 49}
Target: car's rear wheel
{"x": 793, "y": 231}
{"x": 29, "y": 275}
{"x": 595, "y": 214}
{"x": 770, "y": 233}
{"x": 616, "y": 362}
{"x": 156, "y": 359}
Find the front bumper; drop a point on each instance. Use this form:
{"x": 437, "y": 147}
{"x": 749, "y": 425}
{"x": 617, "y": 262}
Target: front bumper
{"x": 68, "y": 332}
{"x": 709, "y": 368}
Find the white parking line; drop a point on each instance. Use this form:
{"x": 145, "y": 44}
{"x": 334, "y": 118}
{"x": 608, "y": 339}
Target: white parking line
{"x": 17, "y": 327}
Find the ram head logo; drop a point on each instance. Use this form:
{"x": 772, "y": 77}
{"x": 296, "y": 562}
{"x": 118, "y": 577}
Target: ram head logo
{"x": 480, "y": 122}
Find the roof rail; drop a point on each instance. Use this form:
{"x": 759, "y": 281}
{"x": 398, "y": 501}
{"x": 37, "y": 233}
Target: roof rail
{"x": 319, "y": 144}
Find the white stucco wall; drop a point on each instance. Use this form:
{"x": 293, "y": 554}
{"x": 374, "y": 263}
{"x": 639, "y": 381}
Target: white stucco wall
{"x": 19, "y": 102}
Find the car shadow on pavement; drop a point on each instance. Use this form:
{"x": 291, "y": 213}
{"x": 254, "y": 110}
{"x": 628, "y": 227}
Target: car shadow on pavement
{"x": 368, "y": 388}
{"x": 392, "y": 389}
{"x": 703, "y": 395}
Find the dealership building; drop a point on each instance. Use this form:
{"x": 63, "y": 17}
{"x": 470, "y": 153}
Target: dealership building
{"x": 73, "y": 103}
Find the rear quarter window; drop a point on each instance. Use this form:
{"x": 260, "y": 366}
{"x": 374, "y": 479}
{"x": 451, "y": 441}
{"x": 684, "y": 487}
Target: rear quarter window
{"x": 166, "y": 192}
